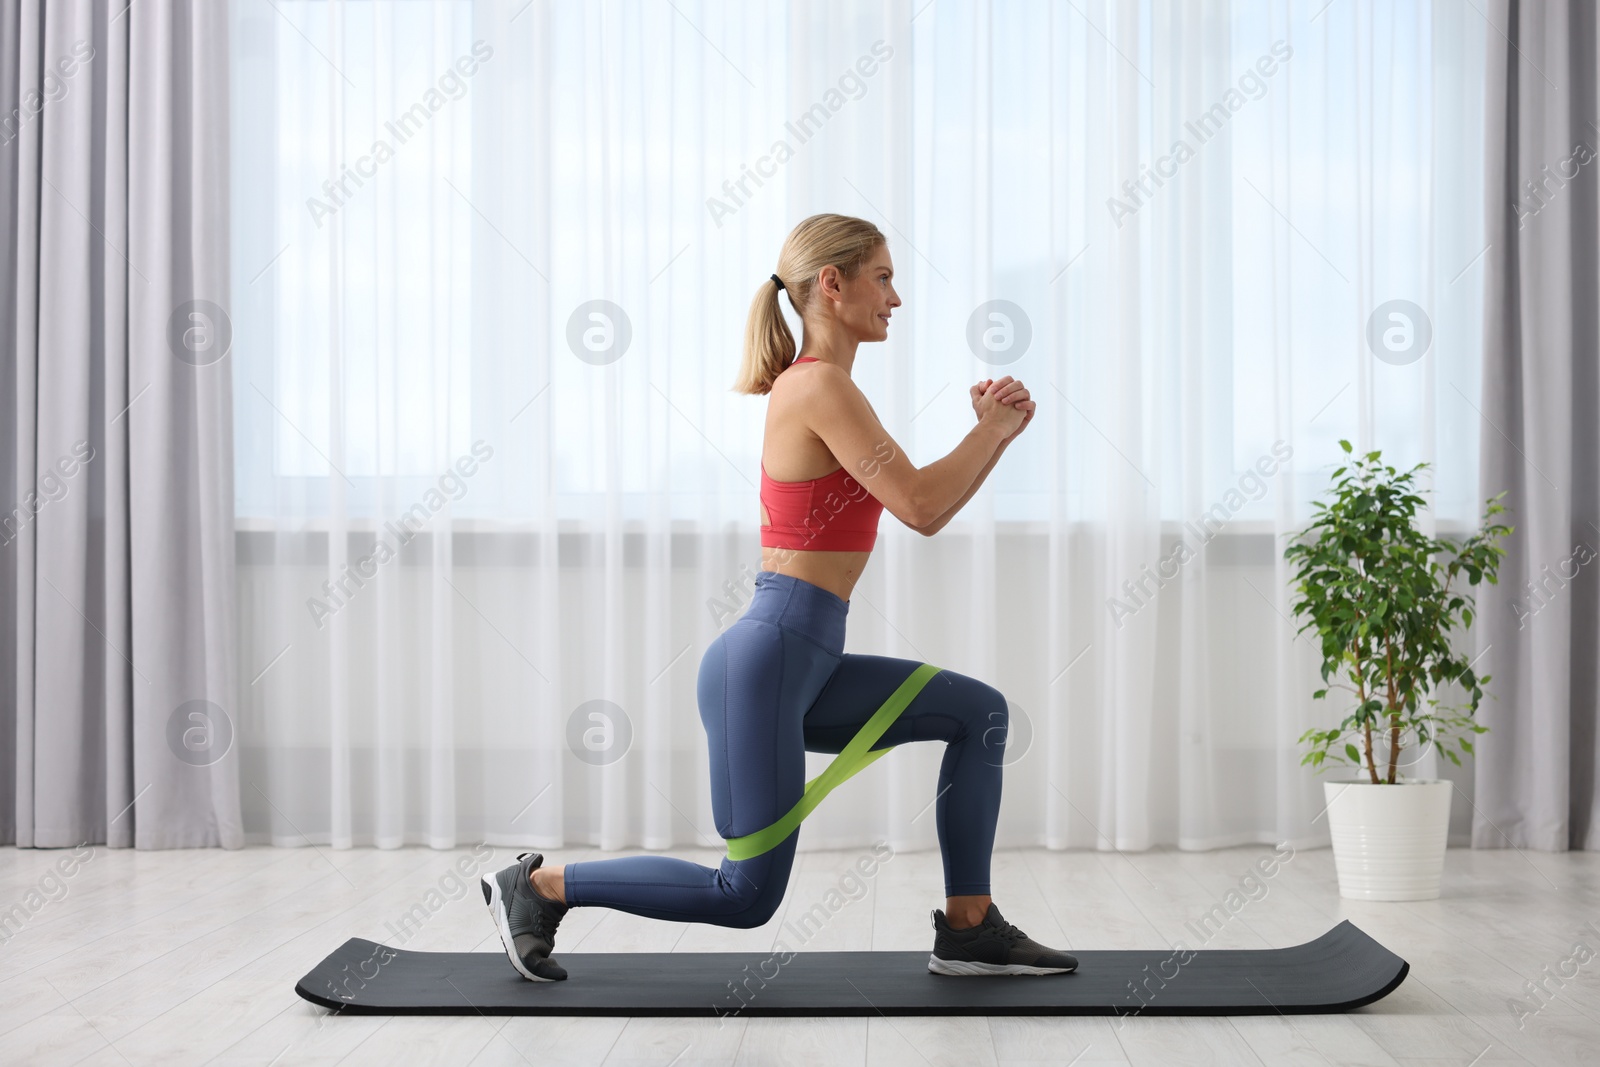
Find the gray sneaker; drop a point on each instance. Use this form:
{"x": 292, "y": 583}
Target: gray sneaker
{"x": 994, "y": 946}
{"x": 526, "y": 921}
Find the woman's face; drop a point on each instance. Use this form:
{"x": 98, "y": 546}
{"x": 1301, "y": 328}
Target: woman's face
{"x": 865, "y": 302}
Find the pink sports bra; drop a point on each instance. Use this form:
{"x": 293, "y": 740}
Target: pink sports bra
{"x": 834, "y": 513}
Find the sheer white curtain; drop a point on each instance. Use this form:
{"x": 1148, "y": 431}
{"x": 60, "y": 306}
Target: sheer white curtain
{"x": 492, "y": 265}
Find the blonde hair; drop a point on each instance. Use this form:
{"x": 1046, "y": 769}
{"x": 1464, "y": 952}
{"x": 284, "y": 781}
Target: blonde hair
{"x": 819, "y": 241}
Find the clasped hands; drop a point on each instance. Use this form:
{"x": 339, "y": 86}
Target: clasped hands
{"x": 1010, "y": 393}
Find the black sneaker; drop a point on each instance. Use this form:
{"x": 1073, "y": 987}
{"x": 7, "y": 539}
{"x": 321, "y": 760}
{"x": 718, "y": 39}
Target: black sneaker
{"x": 527, "y": 921}
{"x": 994, "y": 946}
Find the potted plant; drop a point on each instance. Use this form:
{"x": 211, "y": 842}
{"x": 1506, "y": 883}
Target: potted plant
{"x": 1384, "y": 598}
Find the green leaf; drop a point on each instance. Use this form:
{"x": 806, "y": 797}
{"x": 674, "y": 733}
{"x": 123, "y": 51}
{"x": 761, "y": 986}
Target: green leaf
{"x": 1350, "y": 750}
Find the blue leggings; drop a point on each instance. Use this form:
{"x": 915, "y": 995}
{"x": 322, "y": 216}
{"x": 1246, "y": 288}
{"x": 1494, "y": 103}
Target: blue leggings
{"x": 773, "y": 686}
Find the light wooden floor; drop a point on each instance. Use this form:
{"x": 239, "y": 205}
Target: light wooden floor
{"x": 191, "y": 957}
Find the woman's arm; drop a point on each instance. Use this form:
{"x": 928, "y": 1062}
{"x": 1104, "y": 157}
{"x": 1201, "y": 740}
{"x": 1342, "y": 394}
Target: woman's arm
{"x": 938, "y": 524}
{"x": 1018, "y": 396}
{"x": 838, "y": 413}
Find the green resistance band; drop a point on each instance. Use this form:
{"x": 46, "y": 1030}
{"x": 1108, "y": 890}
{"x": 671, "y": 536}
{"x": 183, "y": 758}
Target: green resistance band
{"x": 855, "y": 757}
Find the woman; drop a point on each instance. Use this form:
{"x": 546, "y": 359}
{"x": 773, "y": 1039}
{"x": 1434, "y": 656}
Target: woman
{"x": 777, "y": 683}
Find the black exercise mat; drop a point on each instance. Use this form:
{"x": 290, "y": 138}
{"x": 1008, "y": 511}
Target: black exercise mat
{"x": 1341, "y": 970}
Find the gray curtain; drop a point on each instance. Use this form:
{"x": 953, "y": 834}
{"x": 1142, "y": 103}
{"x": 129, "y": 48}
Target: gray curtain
{"x": 1535, "y": 771}
{"x": 117, "y": 672}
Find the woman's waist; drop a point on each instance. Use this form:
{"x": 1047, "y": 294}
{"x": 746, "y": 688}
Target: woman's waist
{"x": 833, "y": 570}
{"x": 793, "y": 602}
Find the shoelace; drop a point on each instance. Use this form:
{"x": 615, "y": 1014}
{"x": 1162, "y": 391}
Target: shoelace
{"x": 1008, "y": 933}
{"x": 544, "y": 924}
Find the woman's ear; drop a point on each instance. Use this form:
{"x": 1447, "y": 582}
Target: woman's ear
{"x": 828, "y": 282}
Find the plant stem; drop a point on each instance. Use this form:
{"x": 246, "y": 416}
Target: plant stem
{"x": 1394, "y": 713}
{"x": 1372, "y": 769}
{"x": 1366, "y": 727}
{"x": 1394, "y": 744}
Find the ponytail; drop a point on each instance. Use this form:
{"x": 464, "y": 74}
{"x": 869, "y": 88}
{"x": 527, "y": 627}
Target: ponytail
{"x": 819, "y": 241}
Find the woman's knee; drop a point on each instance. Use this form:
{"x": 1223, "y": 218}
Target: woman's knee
{"x": 978, "y": 702}
{"x": 755, "y": 891}
{"x": 983, "y": 712}
{"x": 994, "y": 729}
{"x": 747, "y": 915}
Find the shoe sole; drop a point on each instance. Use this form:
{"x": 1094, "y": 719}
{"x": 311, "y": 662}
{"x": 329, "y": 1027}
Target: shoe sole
{"x": 972, "y": 967}
{"x": 502, "y": 922}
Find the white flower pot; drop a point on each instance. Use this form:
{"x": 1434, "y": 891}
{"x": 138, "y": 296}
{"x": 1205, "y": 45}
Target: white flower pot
{"x": 1389, "y": 840}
